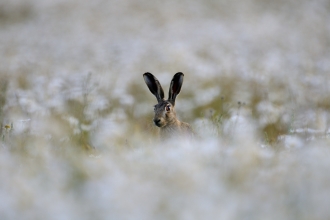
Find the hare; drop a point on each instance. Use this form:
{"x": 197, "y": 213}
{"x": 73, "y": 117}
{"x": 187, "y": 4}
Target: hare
{"x": 165, "y": 116}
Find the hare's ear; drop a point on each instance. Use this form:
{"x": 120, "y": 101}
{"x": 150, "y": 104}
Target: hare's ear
{"x": 154, "y": 86}
{"x": 175, "y": 87}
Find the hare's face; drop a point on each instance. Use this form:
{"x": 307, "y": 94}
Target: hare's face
{"x": 164, "y": 110}
{"x": 164, "y": 114}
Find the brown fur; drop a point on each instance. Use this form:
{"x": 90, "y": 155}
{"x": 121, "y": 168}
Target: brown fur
{"x": 165, "y": 116}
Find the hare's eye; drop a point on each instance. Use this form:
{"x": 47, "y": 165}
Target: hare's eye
{"x": 155, "y": 108}
{"x": 168, "y": 108}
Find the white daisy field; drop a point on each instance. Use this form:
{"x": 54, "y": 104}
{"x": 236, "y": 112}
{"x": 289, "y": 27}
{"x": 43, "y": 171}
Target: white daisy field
{"x": 77, "y": 136}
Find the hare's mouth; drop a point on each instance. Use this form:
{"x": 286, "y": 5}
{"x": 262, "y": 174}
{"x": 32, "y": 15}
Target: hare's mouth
{"x": 159, "y": 123}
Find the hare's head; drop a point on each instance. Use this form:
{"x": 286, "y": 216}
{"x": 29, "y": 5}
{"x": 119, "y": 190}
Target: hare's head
{"x": 164, "y": 110}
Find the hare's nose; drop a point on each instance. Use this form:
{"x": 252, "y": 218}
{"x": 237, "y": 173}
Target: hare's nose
{"x": 156, "y": 121}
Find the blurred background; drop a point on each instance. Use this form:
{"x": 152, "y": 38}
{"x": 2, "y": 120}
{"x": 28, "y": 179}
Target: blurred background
{"x": 77, "y": 139}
